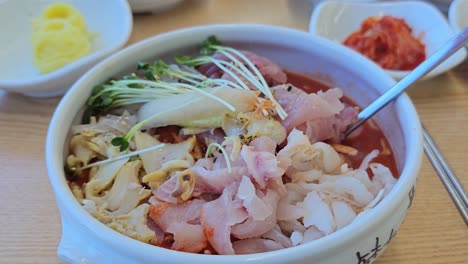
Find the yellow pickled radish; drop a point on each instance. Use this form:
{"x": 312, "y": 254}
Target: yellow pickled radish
{"x": 66, "y": 12}
{"x": 59, "y": 37}
{"x": 58, "y": 44}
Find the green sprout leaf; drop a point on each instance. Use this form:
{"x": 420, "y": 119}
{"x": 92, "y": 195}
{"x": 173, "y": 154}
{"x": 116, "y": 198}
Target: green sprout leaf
{"x": 133, "y": 77}
{"x": 124, "y": 146}
{"x": 117, "y": 141}
{"x": 149, "y": 74}
{"x": 187, "y": 60}
{"x": 97, "y": 89}
{"x": 133, "y": 158}
{"x": 182, "y": 59}
{"x": 143, "y": 66}
{"x": 207, "y": 45}
{"x": 120, "y": 142}
{"x": 159, "y": 68}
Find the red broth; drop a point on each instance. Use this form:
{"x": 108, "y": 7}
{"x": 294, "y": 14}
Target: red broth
{"x": 371, "y": 136}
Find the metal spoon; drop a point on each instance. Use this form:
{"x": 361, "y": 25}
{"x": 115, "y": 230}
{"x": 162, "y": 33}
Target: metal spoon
{"x": 448, "y": 177}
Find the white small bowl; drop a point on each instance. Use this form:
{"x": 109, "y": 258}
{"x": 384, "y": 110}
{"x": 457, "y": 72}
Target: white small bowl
{"x": 86, "y": 240}
{"x": 458, "y": 14}
{"x": 110, "y": 20}
{"x": 337, "y": 20}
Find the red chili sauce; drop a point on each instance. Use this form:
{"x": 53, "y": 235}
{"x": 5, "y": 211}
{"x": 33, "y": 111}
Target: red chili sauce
{"x": 371, "y": 136}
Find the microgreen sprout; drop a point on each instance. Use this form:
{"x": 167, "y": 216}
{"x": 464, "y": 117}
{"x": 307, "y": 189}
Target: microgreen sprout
{"x": 134, "y": 90}
{"x": 129, "y": 155}
{"x": 209, "y": 151}
{"x": 207, "y": 45}
{"x": 239, "y": 67}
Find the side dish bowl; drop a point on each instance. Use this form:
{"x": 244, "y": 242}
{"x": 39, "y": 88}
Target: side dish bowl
{"x": 336, "y": 20}
{"x": 85, "y": 239}
{"x": 17, "y": 71}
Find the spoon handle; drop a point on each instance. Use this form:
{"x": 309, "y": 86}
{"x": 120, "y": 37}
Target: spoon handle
{"x": 426, "y": 66}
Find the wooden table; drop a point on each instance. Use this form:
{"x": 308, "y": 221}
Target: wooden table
{"x": 29, "y": 223}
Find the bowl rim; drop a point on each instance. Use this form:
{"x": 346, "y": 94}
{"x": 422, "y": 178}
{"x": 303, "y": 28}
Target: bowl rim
{"x": 68, "y": 203}
{"x": 396, "y": 74}
{"x": 24, "y": 85}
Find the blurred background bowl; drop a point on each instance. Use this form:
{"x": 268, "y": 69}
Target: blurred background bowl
{"x": 458, "y": 14}
{"x": 153, "y": 6}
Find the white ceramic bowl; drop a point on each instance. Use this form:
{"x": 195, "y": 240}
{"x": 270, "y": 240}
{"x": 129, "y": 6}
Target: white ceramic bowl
{"x": 87, "y": 240}
{"x": 336, "y": 20}
{"x": 111, "y": 20}
{"x": 458, "y": 14}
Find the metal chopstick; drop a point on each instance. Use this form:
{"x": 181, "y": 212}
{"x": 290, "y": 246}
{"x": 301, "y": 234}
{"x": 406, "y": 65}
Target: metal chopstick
{"x": 446, "y": 174}
{"x": 453, "y": 177}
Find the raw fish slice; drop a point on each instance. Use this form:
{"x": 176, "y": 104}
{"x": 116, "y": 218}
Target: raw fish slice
{"x": 217, "y": 218}
{"x": 187, "y": 237}
{"x": 164, "y": 214}
{"x": 253, "y": 228}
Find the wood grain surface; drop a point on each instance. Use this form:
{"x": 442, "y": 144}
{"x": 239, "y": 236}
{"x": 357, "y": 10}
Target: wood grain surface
{"x": 30, "y": 224}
